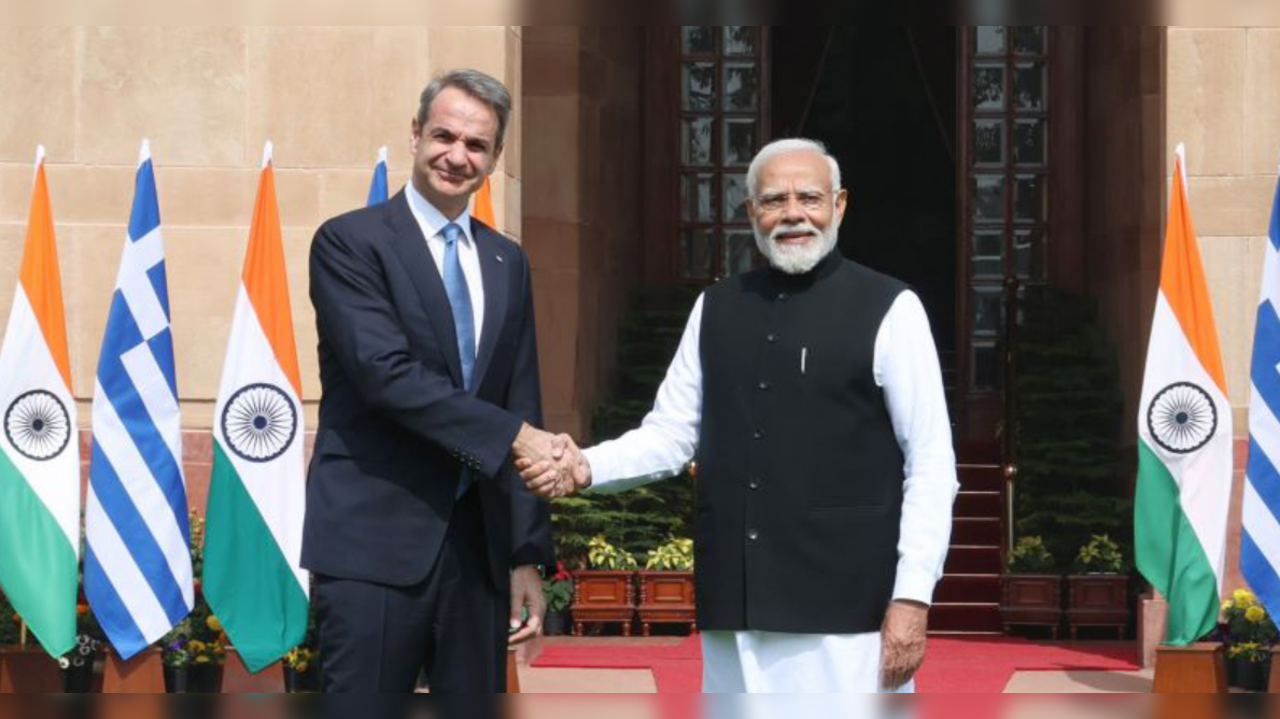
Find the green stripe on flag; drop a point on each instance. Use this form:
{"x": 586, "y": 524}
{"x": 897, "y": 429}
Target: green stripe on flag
{"x": 38, "y": 567}
{"x": 251, "y": 588}
{"x": 1169, "y": 554}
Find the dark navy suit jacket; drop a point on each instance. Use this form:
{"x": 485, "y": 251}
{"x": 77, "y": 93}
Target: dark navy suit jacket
{"x": 396, "y": 429}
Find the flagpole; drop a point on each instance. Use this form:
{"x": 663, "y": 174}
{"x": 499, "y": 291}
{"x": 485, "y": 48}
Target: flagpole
{"x": 22, "y": 642}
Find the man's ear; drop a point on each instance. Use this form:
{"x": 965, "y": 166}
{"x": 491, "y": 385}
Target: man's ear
{"x": 415, "y": 135}
{"x": 842, "y": 204}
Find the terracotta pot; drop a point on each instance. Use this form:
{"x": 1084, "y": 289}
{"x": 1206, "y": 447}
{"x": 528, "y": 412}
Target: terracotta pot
{"x": 28, "y": 671}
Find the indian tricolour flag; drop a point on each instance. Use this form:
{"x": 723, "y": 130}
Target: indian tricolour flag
{"x": 1185, "y": 448}
{"x": 39, "y": 449}
{"x": 253, "y": 540}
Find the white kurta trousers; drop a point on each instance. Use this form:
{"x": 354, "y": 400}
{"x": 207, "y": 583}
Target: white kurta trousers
{"x": 760, "y": 663}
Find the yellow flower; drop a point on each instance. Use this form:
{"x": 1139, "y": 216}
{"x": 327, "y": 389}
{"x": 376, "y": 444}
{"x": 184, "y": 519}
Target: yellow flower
{"x": 213, "y": 624}
{"x": 1227, "y": 605}
{"x": 202, "y": 659}
{"x": 196, "y": 646}
{"x": 301, "y": 667}
{"x": 1244, "y": 598}
{"x": 1255, "y": 615}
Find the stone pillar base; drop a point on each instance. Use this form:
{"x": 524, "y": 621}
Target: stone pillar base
{"x": 1152, "y": 615}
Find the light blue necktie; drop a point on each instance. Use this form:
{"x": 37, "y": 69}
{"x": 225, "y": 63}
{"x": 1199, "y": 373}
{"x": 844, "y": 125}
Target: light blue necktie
{"x": 464, "y": 319}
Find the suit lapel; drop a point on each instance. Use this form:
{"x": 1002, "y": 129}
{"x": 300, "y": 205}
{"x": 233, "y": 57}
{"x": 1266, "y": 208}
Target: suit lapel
{"x": 497, "y": 283}
{"x": 412, "y": 249}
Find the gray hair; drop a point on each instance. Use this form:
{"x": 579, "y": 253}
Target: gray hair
{"x": 782, "y": 147}
{"x": 478, "y": 85}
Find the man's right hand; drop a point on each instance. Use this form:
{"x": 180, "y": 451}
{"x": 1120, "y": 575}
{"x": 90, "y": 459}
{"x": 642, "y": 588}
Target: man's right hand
{"x": 556, "y": 478}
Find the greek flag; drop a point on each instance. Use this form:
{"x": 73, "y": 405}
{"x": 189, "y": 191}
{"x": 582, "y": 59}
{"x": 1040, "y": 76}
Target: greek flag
{"x": 378, "y": 188}
{"x": 137, "y": 566}
{"x": 1260, "y": 549}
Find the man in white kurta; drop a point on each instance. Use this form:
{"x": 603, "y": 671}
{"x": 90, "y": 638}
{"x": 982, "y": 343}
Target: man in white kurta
{"x": 906, "y": 369}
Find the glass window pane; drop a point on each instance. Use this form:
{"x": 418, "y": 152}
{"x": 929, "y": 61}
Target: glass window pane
{"x": 1029, "y": 85}
{"x": 739, "y": 252}
{"x": 1030, "y": 143}
{"x": 697, "y": 250}
{"x": 988, "y": 198}
{"x": 986, "y": 368}
{"x": 988, "y": 143}
{"x": 988, "y": 40}
{"x": 740, "y": 40}
{"x": 1031, "y": 198}
{"x": 988, "y": 254}
{"x": 988, "y": 311}
{"x": 735, "y": 198}
{"x": 741, "y": 86}
{"x": 739, "y": 141}
{"x": 696, "y": 142}
{"x": 699, "y": 86}
{"x": 988, "y": 86}
{"x": 1029, "y": 253}
{"x": 1029, "y": 39}
{"x": 699, "y": 39}
{"x": 697, "y": 198}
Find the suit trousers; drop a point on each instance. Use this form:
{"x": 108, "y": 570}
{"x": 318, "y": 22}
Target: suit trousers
{"x": 452, "y": 625}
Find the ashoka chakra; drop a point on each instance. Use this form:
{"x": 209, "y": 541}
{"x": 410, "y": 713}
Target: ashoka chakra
{"x": 38, "y": 425}
{"x": 259, "y": 423}
{"x": 1182, "y": 418}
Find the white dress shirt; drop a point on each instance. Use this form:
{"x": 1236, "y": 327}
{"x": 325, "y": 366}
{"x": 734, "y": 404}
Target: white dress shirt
{"x": 433, "y": 222}
{"x": 906, "y": 367}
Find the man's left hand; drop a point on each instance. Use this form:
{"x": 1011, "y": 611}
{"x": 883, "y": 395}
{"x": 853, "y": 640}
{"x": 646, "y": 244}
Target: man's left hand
{"x": 904, "y": 635}
{"x": 526, "y": 591}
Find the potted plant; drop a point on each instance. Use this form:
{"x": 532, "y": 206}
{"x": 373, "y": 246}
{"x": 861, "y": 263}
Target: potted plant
{"x": 558, "y": 591}
{"x": 604, "y": 592}
{"x": 77, "y": 665}
{"x": 1031, "y": 589}
{"x": 302, "y": 670}
{"x": 667, "y": 587}
{"x": 1249, "y": 633}
{"x": 1099, "y": 587}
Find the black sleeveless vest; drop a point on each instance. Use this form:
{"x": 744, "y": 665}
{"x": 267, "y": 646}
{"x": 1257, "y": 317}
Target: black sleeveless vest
{"x": 800, "y": 474}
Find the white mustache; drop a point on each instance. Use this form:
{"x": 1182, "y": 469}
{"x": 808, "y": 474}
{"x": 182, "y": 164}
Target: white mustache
{"x": 803, "y": 227}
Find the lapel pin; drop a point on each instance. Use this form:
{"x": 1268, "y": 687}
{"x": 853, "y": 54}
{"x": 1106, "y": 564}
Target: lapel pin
{"x": 500, "y": 260}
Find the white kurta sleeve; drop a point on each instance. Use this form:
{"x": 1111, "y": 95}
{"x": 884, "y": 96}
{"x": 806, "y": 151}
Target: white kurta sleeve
{"x": 907, "y": 369}
{"x": 668, "y": 438}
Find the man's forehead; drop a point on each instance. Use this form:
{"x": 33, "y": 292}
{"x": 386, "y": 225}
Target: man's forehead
{"x": 795, "y": 166}
{"x": 463, "y": 116}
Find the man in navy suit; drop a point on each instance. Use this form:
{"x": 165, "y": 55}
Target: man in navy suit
{"x": 424, "y": 543}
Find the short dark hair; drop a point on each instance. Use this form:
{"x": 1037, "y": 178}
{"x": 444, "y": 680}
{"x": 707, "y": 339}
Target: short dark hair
{"x": 478, "y": 85}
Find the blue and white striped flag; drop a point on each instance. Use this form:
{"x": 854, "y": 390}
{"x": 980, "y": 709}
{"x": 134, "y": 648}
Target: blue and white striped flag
{"x": 138, "y": 563}
{"x": 1260, "y": 548}
{"x": 378, "y": 188}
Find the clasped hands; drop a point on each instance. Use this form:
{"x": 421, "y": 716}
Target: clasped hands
{"x": 552, "y": 466}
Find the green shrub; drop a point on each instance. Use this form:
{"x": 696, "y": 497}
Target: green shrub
{"x": 1029, "y": 556}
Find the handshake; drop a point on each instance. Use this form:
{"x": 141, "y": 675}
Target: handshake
{"x": 552, "y": 466}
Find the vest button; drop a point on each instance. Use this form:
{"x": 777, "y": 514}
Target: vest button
{"x": 772, "y": 339}
{"x": 764, "y": 386}
{"x": 759, "y": 434}
{"x": 754, "y": 485}
{"x": 753, "y": 535}
{"x": 783, "y": 296}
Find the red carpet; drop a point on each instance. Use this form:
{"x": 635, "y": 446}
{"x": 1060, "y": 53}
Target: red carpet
{"x": 952, "y": 666}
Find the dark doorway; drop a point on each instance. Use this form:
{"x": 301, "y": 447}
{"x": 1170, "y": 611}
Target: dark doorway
{"x": 883, "y": 99}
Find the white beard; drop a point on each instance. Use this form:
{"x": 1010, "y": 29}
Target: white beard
{"x": 797, "y": 259}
